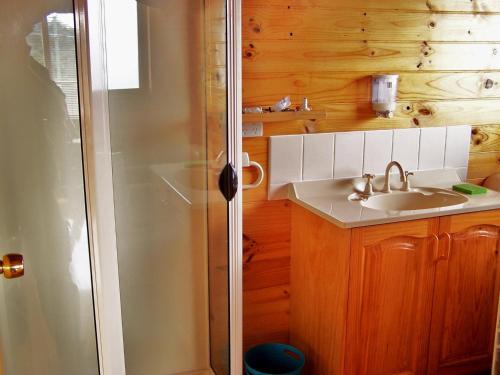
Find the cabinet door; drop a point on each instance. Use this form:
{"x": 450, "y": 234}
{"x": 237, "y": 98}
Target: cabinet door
{"x": 466, "y": 294}
{"x": 390, "y": 298}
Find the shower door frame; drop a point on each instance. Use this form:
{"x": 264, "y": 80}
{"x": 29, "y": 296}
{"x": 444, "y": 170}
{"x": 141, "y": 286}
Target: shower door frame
{"x": 89, "y": 16}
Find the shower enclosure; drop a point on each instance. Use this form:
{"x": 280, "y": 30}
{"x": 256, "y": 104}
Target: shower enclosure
{"x": 118, "y": 123}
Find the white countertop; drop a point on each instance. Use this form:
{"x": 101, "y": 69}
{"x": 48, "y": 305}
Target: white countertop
{"x": 329, "y": 199}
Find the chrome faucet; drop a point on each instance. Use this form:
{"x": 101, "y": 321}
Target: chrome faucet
{"x": 402, "y": 175}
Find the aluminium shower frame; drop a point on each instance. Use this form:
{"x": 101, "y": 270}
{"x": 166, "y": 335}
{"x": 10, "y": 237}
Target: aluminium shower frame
{"x": 89, "y": 16}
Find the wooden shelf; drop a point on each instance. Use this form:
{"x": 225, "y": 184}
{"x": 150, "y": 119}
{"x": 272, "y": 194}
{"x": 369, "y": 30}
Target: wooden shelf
{"x": 283, "y": 116}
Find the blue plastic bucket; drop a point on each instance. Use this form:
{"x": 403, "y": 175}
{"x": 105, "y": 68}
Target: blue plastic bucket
{"x": 274, "y": 359}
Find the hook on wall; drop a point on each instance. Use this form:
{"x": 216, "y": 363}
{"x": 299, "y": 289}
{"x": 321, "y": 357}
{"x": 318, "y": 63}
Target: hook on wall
{"x": 252, "y": 164}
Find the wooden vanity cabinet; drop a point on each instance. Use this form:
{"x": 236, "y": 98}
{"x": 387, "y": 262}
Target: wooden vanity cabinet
{"x": 466, "y": 294}
{"x": 391, "y": 286}
{"x": 319, "y": 278}
{"x": 416, "y": 297}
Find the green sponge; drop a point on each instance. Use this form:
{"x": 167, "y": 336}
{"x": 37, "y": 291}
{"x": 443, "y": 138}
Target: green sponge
{"x": 470, "y": 189}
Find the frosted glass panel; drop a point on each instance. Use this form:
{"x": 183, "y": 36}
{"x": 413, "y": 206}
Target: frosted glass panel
{"x": 46, "y": 317}
{"x": 169, "y": 145}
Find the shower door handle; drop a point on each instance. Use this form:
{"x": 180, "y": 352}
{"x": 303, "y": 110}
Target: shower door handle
{"x": 228, "y": 182}
{"x": 12, "y": 266}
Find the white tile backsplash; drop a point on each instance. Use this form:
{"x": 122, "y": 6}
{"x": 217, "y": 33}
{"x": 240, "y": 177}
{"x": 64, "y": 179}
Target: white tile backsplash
{"x": 378, "y": 151}
{"x": 462, "y": 173}
{"x": 285, "y": 159}
{"x": 348, "y": 154}
{"x": 277, "y": 191}
{"x": 457, "y": 147}
{"x": 405, "y": 147}
{"x": 285, "y": 156}
{"x": 432, "y": 147}
{"x": 318, "y": 156}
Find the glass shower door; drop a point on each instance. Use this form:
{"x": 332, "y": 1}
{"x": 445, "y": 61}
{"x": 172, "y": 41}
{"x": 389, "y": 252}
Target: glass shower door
{"x": 166, "y": 69}
{"x": 46, "y": 315}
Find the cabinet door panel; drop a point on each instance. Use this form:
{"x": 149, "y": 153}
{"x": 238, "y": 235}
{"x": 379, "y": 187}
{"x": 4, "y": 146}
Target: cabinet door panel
{"x": 465, "y": 301}
{"x": 390, "y": 302}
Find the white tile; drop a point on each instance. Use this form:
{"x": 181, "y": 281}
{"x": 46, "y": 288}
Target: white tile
{"x": 285, "y": 159}
{"x": 432, "y": 144}
{"x": 348, "y": 154}
{"x": 278, "y": 191}
{"x": 457, "y": 146}
{"x": 405, "y": 147}
{"x": 378, "y": 151}
{"x": 318, "y": 156}
{"x": 462, "y": 173}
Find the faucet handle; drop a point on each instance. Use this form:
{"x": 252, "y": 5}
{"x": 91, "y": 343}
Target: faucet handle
{"x": 368, "y": 186}
{"x": 406, "y": 182}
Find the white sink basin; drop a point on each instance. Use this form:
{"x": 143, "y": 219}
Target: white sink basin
{"x": 341, "y": 201}
{"x": 416, "y": 199}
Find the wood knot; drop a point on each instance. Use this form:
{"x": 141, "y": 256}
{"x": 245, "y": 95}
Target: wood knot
{"x": 416, "y": 122}
{"x": 255, "y": 26}
{"x": 249, "y": 53}
{"x": 425, "y": 112}
{"x": 299, "y": 83}
{"x": 488, "y": 84}
{"x": 477, "y": 137}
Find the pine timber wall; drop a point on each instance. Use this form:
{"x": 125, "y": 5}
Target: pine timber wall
{"x": 447, "y": 53}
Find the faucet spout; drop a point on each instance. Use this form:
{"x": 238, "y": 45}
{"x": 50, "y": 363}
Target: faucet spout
{"x": 387, "y": 184}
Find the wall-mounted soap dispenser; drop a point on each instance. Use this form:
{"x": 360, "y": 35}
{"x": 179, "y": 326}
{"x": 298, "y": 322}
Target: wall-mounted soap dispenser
{"x": 384, "y": 94}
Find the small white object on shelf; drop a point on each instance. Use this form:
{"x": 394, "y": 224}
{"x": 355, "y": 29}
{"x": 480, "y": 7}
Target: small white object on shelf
{"x": 305, "y": 105}
{"x": 282, "y": 104}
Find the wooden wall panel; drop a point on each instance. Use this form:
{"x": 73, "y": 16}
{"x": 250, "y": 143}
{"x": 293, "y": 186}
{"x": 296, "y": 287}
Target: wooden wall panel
{"x": 266, "y": 315}
{"x": 323, "y": 88}
{"x": 447, "y": 53}
{"x": 359, "y": 116}
{"x": 271, "y": 22}
{"x": 367, "y": 56}
{"x": 467, "y": 6}
{"x": 483, "y": 164}
{"x": 266, "y": 271}
{"x": 485, "y": 138}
